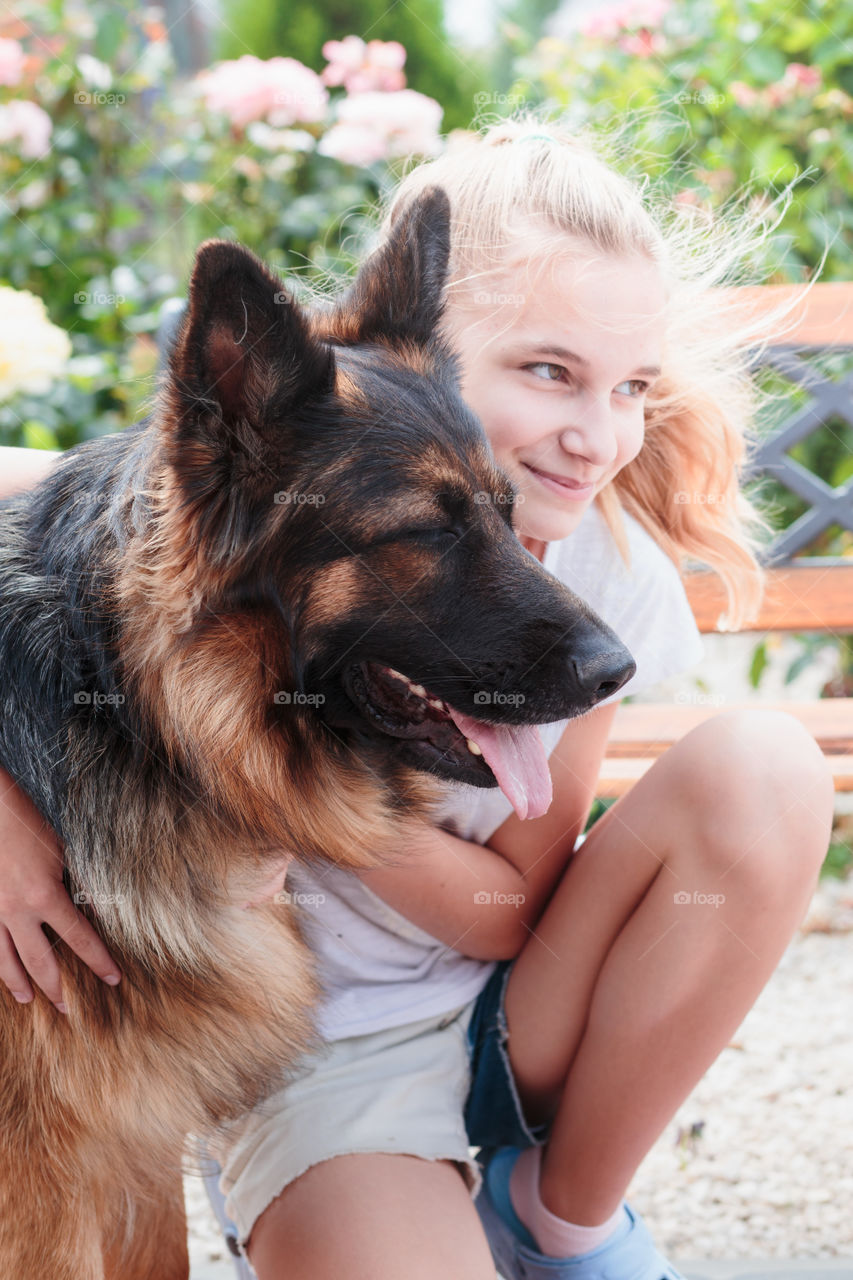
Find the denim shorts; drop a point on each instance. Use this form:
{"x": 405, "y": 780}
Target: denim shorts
{"x": 493, "y": 1111}
{"x": 437, "y": 1088}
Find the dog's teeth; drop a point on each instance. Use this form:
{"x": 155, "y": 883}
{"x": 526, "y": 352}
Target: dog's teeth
{"x": 472, "y": 747}
{"x": 417, "y": 689}
{"x": 437, "y": 704}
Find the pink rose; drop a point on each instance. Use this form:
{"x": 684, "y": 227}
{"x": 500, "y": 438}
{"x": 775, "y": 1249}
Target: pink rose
{"x": 12, "y": 58}
{"x": 778, "y": 94}
{"x": 743, "y": 94}
{"x": 630, "y": 16}
{"x": 378, "y": 126}
{"x": 354, "y": 144}
{"x": 344, "y": 57}
{"x": 643, "y": 44}
{"x": 797, "y": 73}
{"x": 363, "y": 68}
{"x": 279, "y": 90}
{"x": 797, "y": 81}
{"x": 27, "y": 124}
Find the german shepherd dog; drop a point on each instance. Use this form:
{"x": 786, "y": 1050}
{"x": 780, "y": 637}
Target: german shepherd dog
{"x": 253, "y": 625}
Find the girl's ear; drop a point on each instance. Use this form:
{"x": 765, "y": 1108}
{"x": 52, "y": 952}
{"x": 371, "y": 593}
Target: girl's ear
{"x": 397, "y": 294}
{"x": 245, "y": 352}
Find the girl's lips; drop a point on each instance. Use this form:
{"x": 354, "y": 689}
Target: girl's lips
{"x": 565, "y": 488}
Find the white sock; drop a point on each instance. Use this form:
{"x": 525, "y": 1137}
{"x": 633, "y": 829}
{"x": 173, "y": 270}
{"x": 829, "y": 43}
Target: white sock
{"x": 554, "y": 1236}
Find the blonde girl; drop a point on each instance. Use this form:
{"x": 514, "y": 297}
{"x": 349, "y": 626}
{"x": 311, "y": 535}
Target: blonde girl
{"x": 507, "y": 987}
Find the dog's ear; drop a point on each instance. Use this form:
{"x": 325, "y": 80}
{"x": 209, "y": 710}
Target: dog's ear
{"x": 245, "y": 353}
{"x": 397, "y": 293}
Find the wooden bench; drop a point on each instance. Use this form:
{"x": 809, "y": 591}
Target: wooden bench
{"x": 803, "y": 594}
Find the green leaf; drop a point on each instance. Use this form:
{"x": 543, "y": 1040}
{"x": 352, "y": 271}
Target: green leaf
{"x": 763, "y": 64}
{"x": 38, "y": 436}
{"x": 800, "y": 664}
{"x": 111, "y": 29}
{"x": 760, "y": 661}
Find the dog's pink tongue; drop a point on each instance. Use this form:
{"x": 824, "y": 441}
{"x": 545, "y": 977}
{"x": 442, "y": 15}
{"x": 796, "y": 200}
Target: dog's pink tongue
{"x": 516, "y": 756}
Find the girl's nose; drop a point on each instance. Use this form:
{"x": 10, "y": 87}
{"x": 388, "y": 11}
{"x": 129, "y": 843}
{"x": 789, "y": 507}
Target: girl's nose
{"x": 593, "y": 438}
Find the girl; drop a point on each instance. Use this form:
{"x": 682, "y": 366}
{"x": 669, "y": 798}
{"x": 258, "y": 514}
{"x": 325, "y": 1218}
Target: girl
{"x": 506, "y": 987}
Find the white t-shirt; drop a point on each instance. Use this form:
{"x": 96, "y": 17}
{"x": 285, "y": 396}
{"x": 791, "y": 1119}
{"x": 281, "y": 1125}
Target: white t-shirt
{"x": 378, "y": 969}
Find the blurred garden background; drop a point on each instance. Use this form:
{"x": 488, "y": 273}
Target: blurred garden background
{"x": 130, "y": 132}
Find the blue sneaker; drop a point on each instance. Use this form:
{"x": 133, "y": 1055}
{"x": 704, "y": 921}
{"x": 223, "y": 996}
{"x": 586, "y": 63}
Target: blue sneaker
{"x": 629, "y": 1254}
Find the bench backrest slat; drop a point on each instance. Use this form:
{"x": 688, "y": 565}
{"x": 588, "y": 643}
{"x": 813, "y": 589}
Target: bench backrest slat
{"x": 809, "y": 596}
{"x": 823, "y": 319}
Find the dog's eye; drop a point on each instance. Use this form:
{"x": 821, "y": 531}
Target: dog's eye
{"x": 438, "y": 537}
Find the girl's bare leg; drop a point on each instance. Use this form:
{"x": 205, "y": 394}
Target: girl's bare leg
{"x": 662, "y": 932}
{"x": 372, "y": 1217}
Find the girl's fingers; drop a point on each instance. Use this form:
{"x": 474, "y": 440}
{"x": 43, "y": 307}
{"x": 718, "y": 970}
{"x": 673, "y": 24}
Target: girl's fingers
{"x": 28, "y": 951}
{"x": 12, "y": 972}
{"x": 78, "y": 934}
{"x": 35, "y": 953}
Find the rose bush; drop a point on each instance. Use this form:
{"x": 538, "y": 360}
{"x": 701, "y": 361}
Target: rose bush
{"x": 113, "y": 168}
{"x": 723, "y": 96}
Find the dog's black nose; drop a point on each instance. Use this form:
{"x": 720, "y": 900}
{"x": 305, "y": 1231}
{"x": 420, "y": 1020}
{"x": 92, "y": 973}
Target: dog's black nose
{"x": 604, "y": 673}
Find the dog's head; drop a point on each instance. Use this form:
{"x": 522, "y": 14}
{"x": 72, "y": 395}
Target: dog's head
{"x": 336, "y": 485}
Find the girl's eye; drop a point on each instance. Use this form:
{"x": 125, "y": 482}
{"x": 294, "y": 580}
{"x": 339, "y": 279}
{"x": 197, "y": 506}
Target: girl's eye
{"x": 545, "y": 365}
{"x": 636, "y": 385}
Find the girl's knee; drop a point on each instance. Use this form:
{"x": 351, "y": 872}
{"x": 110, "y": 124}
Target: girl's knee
{"x": 761, "y": 791}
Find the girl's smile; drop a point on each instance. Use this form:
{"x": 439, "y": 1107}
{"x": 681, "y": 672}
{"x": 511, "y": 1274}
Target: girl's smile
{"x": 573, "y": 490}
{"x": 560, "y": 380}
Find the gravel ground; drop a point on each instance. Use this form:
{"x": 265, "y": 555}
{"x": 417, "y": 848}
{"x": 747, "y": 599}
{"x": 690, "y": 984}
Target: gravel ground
{"x": 770, "y": 1174}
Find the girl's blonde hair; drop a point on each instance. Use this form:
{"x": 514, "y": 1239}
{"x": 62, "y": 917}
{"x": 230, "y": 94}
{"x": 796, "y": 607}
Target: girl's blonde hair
{"x": 517, "y": 190}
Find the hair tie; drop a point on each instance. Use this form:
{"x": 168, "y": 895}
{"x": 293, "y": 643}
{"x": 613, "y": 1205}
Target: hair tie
{"x": 531, "y": 137}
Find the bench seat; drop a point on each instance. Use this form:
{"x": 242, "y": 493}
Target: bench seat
{"x": 642, "y": 731}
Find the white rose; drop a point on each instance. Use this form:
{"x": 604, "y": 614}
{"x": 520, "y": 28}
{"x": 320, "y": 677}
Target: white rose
{"x": 32, "y": 350}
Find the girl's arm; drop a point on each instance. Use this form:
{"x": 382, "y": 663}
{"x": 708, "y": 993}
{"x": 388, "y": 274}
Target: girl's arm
{"x": 484, "y": 900}
{"x": 31, "y": 861}
{"x": 22, "y": 468}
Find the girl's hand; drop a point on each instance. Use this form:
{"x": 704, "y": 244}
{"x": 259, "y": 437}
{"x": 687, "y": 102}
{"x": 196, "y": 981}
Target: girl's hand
{"x": 32, "y": 894}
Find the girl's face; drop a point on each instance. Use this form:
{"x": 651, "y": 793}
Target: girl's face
{"x": 561, "y": 389}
